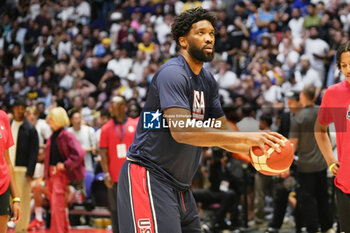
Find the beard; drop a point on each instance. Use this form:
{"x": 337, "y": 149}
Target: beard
{"x": 198, "y": 53}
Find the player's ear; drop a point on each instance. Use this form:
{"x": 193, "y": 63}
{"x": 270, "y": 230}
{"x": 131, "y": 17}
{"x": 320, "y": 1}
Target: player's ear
{"x": 183, "y": 42}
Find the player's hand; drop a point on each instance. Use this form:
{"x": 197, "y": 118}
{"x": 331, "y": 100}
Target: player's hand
{"x": 273, "y": 139}
{"x": 334, "y": 169}
{"x": 60, "y": 166}
{"x": 108, "y": 182}
{"x": 17, "y": 214}
{"x": 29, "y": 179}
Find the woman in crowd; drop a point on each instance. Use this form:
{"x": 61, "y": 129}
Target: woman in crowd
{"x": 64, "y": 163}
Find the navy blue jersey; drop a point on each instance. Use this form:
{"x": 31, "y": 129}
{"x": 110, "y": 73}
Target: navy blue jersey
{"x": 174, "y": 85}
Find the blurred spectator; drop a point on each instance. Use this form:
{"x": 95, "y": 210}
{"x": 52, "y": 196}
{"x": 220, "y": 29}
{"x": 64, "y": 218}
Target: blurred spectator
{"x": 94, "y": 71}
{"x": 85, "y": 135}
{"x": 120, "y": 64}
{"x": 131, "y": 90}
{"x": 225, "y": 78}
{"x": 24, "y": 156}
{"x": 224, "y": 44}
{"x": 265, "y": 16}
{"x": 296, "y": 23}
{"x": 313, "y": 199}
{"x": 307, "y": 75}
{"x": 17, "y": 64}
{"x": 262, "y": 183}
{"x": 147, "y": 45}
{"x": 302, "y": 5}
{"x": 219, "y": 190}
{"x": 64, "y": 46}
{"x": 83, "y": 12}
{"x": 248, "y": 123}
{"x": 89, "y": 110}
{"x": 38, "y": 185}
{"x": 64, "y": 163}
{"x": 65, "y": 79}
{"x": 284, "y": 183}
{"x": 317, "y": 50}
{"x": 116, "y": 137}
{"x": 238, "y": 28}
{"x": 312, "y": 18}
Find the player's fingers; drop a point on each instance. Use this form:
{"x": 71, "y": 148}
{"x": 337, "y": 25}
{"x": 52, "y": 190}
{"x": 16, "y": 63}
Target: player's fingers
{"x": 16, "y": 213}
{"x": 272, "y": 142}
{"x": 262, "y": 147}
{"x": 335, "y": 168}
{"x": 278, "y": 138}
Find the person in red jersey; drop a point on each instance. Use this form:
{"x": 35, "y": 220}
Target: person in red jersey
{"x": 335, "y": 108}
{"x": 116, "y": 137}
{"x": 7, "y": 179}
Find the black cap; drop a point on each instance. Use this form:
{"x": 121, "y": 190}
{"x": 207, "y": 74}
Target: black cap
{"x": 293, "y": 95}
{"x": 19, "y": 101}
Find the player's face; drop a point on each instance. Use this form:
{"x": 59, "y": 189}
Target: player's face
{"x": 345, "y": 65}
{"x": 201, "y": 40}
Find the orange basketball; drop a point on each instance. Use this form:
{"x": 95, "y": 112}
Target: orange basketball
{"x": 276, "y": 163}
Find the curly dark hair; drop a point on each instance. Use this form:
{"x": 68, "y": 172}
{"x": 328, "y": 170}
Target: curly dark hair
{"x": 342, "y": 49}
{"x": 183, "y": 22}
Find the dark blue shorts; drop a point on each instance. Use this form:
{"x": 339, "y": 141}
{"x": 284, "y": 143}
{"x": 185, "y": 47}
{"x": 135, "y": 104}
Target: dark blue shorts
{"x": 147, "y": 205}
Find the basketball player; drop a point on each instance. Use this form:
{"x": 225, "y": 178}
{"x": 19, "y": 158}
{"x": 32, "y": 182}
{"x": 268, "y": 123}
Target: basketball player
{"x": 7, "y": 178}
{"x": 335, "y": 108}
{"x": 153, "y": 187}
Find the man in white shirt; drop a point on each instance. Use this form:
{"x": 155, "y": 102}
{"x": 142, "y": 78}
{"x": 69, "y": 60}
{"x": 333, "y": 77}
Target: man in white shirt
{"x": 225, "y": 78}
{"x": 317, "y": 49}
{"x": 296, "y": 23}
{"x": 248, "y": 122}
{"x": 308, "y": 76}
{"x": 140, "y": 62}
{"x": 120, "y": 64}
{"x": 83, "y": 11}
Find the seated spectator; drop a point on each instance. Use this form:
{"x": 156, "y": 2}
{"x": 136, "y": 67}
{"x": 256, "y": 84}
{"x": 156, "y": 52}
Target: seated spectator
{"x": 219, "y": 190}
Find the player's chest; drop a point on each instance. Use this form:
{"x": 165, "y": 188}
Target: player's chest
{"x": 199, "y": 96}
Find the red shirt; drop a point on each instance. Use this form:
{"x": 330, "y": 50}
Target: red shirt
{"x": 335, "y": 108}
{"x": 6, "y": 141}
{"x": 117, "y": 139}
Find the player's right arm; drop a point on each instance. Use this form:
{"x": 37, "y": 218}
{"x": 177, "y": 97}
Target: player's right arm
{"x": 325, "y": 146}
{"x": 324, "y": 118}
{"x": 14, "y": 192}
{"x": 239, "y": 142}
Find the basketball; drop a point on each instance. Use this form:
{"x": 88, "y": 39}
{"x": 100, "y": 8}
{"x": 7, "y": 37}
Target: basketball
{"x": 276, "y": 164}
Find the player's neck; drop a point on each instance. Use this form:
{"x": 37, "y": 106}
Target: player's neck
{"x": 194, "y": 64}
